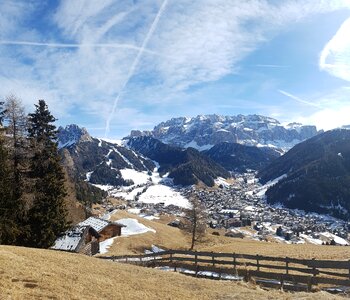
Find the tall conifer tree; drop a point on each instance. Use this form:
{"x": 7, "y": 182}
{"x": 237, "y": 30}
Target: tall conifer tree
{"x": 47, "y": 216}
{"x": 8, "y": 227}
{"x": 16, "y": 129}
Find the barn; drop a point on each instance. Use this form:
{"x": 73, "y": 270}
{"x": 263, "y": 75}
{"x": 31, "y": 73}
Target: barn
{"x": 105, "y": 229}
{"x": 86, "y": 236}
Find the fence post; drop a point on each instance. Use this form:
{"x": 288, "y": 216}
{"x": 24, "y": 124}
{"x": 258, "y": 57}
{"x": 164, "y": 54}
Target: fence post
{"x": 257, "y": 262}
{"x": 196, "y": 262}
{"x": 212, "y": 258}
{"x": 309, "y": 284}
{"x": 282, "y": 282}
{"x": 287, "y": 265}
{"x": 313, "y": 268}
{"x": 234, "y": 263}
{"x": 171, "y": 257}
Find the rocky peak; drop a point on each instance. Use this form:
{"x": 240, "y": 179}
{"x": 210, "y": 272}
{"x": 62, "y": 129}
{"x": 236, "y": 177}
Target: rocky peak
{"x": 204, "y": 131}
{"x": 72, "y": 134}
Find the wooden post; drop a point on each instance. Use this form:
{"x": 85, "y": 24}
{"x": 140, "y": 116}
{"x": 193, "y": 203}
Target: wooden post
{"x": 309, "y": 284}
{"x": 257, "y": 262}
{"x": 287, "y": 265}
{"x": 314, "y": 268}
{"x": 196, "y": 262}
{"x": 171, "y": 257}
{"x": 212, "y": 258}
{"x": 234, "y": 263}
{"x": 282, "y": 282}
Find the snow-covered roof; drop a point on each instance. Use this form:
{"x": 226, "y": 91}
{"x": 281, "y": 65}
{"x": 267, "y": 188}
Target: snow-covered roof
{"x": 70, "y": 240}
{"x": 95, "y": 223}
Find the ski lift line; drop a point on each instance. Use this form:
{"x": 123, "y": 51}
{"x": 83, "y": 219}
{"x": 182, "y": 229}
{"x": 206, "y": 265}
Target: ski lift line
{"x": 134, "y": 64}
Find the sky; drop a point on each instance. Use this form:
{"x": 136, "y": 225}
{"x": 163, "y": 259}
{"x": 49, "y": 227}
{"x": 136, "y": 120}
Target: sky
{"x": 113, "y": 66}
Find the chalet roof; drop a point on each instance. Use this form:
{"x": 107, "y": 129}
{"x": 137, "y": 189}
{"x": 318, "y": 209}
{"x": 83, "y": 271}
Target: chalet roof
{"x": 97, "y": 223}
{"x": 71, "y": 238}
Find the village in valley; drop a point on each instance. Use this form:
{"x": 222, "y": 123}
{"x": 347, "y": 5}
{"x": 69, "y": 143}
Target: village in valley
{"x": 235, "y": 208}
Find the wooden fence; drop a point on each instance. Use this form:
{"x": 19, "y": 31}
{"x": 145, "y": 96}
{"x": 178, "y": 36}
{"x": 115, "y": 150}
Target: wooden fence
{"x": 282, "y": 272}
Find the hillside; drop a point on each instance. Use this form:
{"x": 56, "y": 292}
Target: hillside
{"x": 44, "y": 274}
{"x": 317, "y": 175}
{"x": 237, "y": 157}
{"x": 168, "y": 237}
{"x": 185, "y": 166}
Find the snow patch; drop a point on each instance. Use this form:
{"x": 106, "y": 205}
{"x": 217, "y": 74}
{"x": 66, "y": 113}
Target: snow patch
{"x": 133, "y": 227}
{"x": 164, "y": 194}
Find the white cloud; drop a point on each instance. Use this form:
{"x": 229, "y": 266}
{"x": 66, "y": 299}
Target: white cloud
{"x": 195, "y": 42}
{"x": 334, "y": 113}
{"x": 335, "y": 56}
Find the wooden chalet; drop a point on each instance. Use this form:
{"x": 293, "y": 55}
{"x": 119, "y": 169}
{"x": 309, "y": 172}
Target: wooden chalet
{"x": 86, "y": 236}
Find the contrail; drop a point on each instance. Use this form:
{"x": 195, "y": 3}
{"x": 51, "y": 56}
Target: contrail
{"x": 271, "y": 66}
{"x": 299, "y": 99}
{"x": 134, "y": 64}
{"x": 63, "y": 45}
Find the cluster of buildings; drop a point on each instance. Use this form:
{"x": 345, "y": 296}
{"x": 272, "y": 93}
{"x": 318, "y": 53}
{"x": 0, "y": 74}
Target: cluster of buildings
{"x": 241, "y": 205}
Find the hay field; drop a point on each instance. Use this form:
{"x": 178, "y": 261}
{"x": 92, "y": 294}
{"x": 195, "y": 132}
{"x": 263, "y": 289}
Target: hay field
{"x": 173, "y": 238}
{"x": 27, "y": 273}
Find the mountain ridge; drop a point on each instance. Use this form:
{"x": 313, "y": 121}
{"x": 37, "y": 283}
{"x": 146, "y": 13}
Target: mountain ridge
{"x": 204, "y": 131}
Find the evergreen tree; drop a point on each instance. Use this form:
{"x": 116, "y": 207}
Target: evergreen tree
{"x": 16, "y": 126}
{"x": 8, "y": 228}
{"x": 47, "y": 216}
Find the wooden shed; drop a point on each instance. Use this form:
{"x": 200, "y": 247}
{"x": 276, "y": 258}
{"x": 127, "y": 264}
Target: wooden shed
{"x": 105, "y": 229}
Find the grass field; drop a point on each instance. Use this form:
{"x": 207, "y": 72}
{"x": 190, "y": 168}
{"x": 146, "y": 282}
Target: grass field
{"x": 173, "y": 238}
{"x": 27, "y": 273}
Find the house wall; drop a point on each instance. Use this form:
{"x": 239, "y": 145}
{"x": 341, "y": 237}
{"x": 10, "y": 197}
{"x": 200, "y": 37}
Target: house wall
{"x": 109, "y": 231}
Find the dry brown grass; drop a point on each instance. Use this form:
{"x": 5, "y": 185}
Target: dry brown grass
{"x": 173, "y": 238}
{"x": 165, "y": 236}
{"x": 27, "y": 273}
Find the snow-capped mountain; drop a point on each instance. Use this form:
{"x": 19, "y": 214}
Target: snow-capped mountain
{"x": 72, "y": 134}
{"x": 205, "y": 131}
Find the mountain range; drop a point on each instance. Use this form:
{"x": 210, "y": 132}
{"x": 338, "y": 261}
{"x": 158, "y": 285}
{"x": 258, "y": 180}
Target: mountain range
{"x": 316, "y": 169}
{"x": 204, "y": 131}
{"x": 316, "y": 175}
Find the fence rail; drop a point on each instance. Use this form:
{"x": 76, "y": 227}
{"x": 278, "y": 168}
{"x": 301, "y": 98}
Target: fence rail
{"x": 283, "y": 272}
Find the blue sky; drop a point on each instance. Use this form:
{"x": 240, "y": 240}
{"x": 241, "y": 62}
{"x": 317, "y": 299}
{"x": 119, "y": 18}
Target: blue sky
{"x": 112, "y": 66}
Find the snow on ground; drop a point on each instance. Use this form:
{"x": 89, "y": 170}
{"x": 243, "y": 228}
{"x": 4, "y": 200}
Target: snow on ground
{"x": 134, "y": 211}
{"x": 104, "y": 187}
{"x": 310, "y": 239}
{"x": 164, "y": 194}
{"x": 104, "y": 246}
{"x": 193, "y": 144}
{"x": 222, "y": 181}
{"x": 133, "y": 227}
{"x": 107, "y": 216}
{"x": 136, "y": 176}
{"x": 262, "y": 190}
{"x": 338, "y": 240}
{"x": 88, "y": 176}
{"x": 126, "y": 194}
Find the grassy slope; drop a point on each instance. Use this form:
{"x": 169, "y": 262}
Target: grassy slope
{"x": 46, "y": 274}
{"x": 172, "y": 238}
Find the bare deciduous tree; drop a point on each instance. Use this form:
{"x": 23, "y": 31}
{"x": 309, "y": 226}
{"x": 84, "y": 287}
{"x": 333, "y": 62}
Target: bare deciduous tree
{"x": 196, "y": 220}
